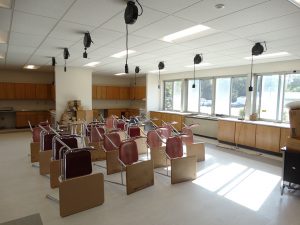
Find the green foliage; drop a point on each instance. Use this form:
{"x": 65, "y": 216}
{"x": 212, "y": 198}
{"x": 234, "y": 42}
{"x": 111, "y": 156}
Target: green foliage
{"x": 238, "y": 88}
{"x": 294, "y": 85}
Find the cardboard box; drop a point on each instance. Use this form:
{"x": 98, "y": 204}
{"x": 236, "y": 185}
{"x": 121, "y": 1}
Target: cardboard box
{"x": 293, "y": 144}
{"x": 295, "y": 123}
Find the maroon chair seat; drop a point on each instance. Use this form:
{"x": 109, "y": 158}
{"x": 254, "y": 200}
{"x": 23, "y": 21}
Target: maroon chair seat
{"x": 134, "y": 131}
{"x": 121, "y": 125}
{"x": 174, "y": 147}
{"x": 77, "y": 163}
{"x": 70, "y": 141}
{"x": 47, "y": 141}
{"x": 128, "y": 152}
{"x": 95, "y": 135}
{"x": 111, "y": 141}
{"x": 153, "y": 140}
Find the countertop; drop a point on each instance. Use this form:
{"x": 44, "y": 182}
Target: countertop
{"x": 177, "y": 113}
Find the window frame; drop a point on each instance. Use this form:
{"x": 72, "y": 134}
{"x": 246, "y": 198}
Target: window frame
{"x": 172, "y": 81}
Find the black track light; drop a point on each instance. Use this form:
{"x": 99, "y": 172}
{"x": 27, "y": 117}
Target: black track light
{"x": 257, "y": 49}
{"x": 161, "y": 66}
{"x": 66, "y": 56}
{"x": 53, "y": 61}
{"x": 87, "y": 41}
{"x": 197, "y": 60}
{"x": 136, "y": 70}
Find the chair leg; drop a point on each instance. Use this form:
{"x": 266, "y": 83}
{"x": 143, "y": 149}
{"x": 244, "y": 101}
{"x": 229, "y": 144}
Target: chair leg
{"x": 122, "y": 175}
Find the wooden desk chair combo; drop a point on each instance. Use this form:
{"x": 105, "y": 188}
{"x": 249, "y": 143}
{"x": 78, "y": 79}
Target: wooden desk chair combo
{"x": 45, "y": 153}
{"x": 96, "y": 136}
{"x": 79, "y": 188}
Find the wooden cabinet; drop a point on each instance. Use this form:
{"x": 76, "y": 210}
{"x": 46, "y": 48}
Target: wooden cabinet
{"x": 124, "y": 93}
{"x": 226, "y": 131}
{"x": 284, "y": 134}
{"x": 30, "y": 91}
{"x": 159, "y": 117}
{"x": 112, "y": 93}
{"x": 19, "y": 91}
{"x": 52, "y": 92}
{"x": 94, "y": 92}
{"x": 268, "y": 138}
{"x": 7, "y": 91}
{"x": 245, "y": 134}
{"x": 156, "y": 118}
{"x": 137, "y": 93}
{"x": 101, "y": 92}
{"x": 34, "y": 117}
{"x": 42, "y": 91}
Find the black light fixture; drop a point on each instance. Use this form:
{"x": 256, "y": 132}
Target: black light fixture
{"x": 161, "y": 66}
{"x": 257, "y": 49}
{"x": 197, "y": 60}
{"x": 66, "y": 56}
{"x": 130, "y": 16}
{"x": 87, "y": 41}
{"x": 136, "y": 71}
{"x": 53, "y": 61}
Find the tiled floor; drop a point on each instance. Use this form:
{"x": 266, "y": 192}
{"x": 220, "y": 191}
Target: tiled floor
{"x": 233, "y": 188}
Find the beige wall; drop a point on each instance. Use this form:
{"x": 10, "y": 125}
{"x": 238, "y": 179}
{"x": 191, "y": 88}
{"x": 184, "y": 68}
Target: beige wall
{"x": 26, "y": 76}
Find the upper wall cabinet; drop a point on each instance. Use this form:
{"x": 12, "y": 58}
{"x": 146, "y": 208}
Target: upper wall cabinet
{"x": 112, "y": 92}
{"x": 137, "y": 93}
{"x": 118, "y": 93}
{"x": 28, "y": 91}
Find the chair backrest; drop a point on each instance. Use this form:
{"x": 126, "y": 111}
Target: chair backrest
{"x": 77, "y": 162}
{"x": 174, "y": 147}
{"x": 95, "y": 135}
{"x": 36, "y": 133}
{"x": 153, "y": 140}
{"x": 188, "y": 137}
{"x": 169, "y": 130}
{"x": 111, "y": 141}
{"x": 128, "y": 152}
{"x": 134, "y": 131}
{"x": 165, "y": 132}
{"x": 46, "y": 141}
{"x": 70, "y": 141}
{"x": 110, "y": 122}
{"x": 121, "y": 125}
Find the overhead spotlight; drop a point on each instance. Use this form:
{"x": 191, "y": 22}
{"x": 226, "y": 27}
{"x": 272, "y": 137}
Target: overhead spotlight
{"x": 130, "y": 16}
{"x": 66, "y": 56}
{"x": 53, "y": 61}
{"x": 87, "y": 41}
{"x": 257, "y": 49}
{"x": 197, "y": 60}
{"x": 161, "y": 66}
{"x": 136, "y": 70}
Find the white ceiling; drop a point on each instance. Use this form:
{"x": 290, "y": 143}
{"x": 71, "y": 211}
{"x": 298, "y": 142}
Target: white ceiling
{"x": 32, "y": 31}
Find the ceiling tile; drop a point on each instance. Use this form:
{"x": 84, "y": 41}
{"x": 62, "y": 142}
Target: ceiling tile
{"x": 152, "y": 46}
{"x": 5, "y": 18}
{"x": 53, "y": 8}
{"x": 69, "y": 31}
{"x": 149, "y": 16}
{"x": 169, "y": 6}
{"x": 101, "y": 36}
{"x": 26, "y": 40}
{"x": 20, "y": 49}
{"x": 205, "y": 11}
{"x": 31, "y": 24}
{"x": 164, "y": 27}
{"x": 40, "y": 60}
{"x": 261, "y": 12}
{"x": 3, "y": 37}
{"x": 93, "y": 12}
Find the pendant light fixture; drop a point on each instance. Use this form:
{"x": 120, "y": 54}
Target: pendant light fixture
{"x": 130, "y": 16}
{"x": 161, "y": 66}
{"x": 197, "y": 60}
{"x": 66, "y": 56}
{"x": 53, "y": 61}
{"x": 87, "y": 41}
{"x": 257, "y": 49}
{"x": 136, "y": 71}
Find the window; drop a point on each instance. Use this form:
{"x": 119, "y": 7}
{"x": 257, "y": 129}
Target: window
{"x": 222, "y": 96}
{"x": 273, "y": 93}
{"x": 172, "y": 95}
{"x": 206, "y": 97}
{"x": 238, "y": 96}
{"x": 193, "y": 96}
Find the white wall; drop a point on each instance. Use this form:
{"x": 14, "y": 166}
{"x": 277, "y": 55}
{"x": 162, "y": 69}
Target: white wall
{"x": 75, "y": 84}
{"x": 111, "y": 80}
{"x": 26, "y": 76}
{"x": 153, "y": 94}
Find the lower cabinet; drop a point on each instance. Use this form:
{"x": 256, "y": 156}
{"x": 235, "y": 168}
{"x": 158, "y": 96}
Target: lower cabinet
{"x": 159, "y": 117}
{"x": 245, "y": 134}
{"x": 226, "y": 131}
{"x": 268, "y": 138}
{"x": 34, "y": 117}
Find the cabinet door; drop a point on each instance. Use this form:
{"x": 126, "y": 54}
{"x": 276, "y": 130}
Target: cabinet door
{"x": 245, "y": 134}
{"x": 124, "y": 93}
{"x": 132, "y": 93}
{"x": 284, "y": 134}
{"x": 112, "y": 92}
{"x": 42, "y": 91}
{"x": 22, "y": 119}
{"x": 30, "y": 91}
{"x": 7, "y": 90}
{"x": 226, "y": 131}
{"x": 19, "y": 91}
{"x": 101, "y": 92}
{"x": 94, "y": 92}
{"x": 179, "y": 119}
{"x": 156, "y": 118}
{"x": 52, "y": 92}
{"x": 140, "y": 92}
{"x": 268, "y": 138}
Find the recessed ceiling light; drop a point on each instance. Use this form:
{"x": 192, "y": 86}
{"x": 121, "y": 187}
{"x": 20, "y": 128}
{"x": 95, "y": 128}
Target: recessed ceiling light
{"x": 156, "y": 71}
{"x": 199, "y": 65}
{"x": 5, "y": 4}
{"x": 295, "y": 2}
{"x": 1, "y": 57}
{"x": 31, "y": 67}
{"x": 267, "y": 56}
{"x": 184, "y": 33}
{"x": 120, "y": 74}
{"x": 219, "y": 6}
{"x": 122, "y": 54}
{"x": 92, "y": 64}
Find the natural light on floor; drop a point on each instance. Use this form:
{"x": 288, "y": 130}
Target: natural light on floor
{"x": 238, "y": 183}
